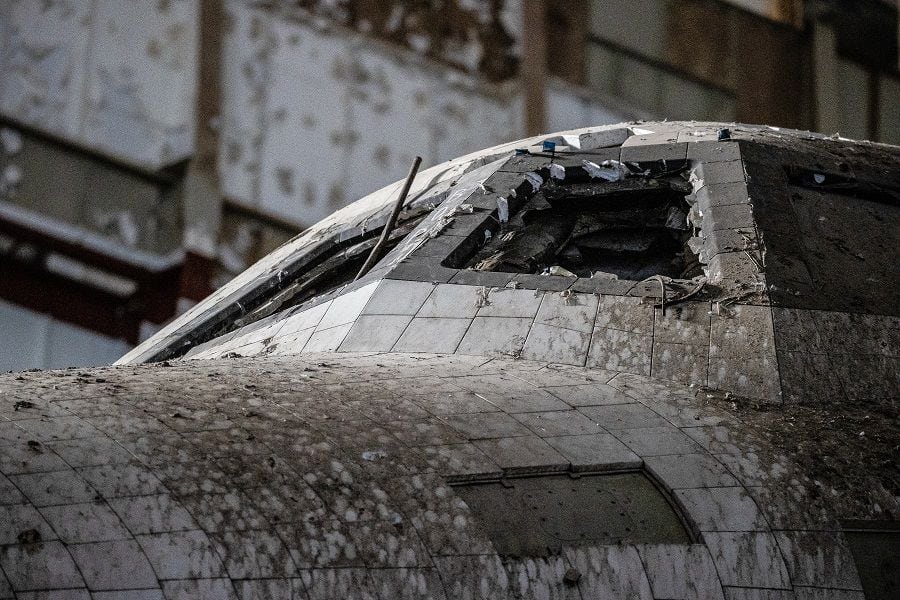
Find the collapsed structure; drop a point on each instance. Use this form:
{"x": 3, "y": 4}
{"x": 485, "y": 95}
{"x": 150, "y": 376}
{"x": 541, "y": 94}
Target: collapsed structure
{"x": 645, "y": 360}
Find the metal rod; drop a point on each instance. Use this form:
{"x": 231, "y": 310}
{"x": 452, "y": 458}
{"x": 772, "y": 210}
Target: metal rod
{"x": 375, "y": 255}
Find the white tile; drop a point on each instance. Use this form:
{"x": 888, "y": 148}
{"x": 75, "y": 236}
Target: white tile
{"x": 375, "y": 333}
{"x": 495, "y": 335}
{"x": 555, "y": 344}
{"x": 450, "y": 300}
{"x": 304, "y": 319}
{"x": 575, "y": 312}
{"x": 432, "y": 334}
{"x": 327, "y": 340}
{"x": 509, "y": 302}
{"x": 345, "y": 309}
{"x": 293, "y": 343}
{"x": 394, "y": 297}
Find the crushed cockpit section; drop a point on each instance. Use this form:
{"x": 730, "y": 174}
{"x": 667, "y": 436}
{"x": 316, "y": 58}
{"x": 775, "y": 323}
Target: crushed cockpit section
{"x": 630, "y": 228}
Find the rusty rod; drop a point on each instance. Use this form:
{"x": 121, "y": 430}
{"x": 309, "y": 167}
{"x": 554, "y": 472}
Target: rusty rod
{"x": 375, "y": 254}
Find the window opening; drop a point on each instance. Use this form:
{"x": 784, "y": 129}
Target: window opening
{"x": 538, "y": 516}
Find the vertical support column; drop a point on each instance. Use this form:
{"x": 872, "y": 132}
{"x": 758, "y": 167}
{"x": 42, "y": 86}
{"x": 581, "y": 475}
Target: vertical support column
{"x": 534, "y": 66}
{"x": 202, "y": 197}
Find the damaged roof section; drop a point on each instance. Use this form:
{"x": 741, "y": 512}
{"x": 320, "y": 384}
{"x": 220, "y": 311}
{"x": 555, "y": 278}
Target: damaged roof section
{"x": 596, "y": 221}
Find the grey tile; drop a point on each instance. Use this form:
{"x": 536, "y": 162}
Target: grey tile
{"x": 819, "y": 558}
{"x": 109, "y": 565}
{"x": 555, "y": 344}
{"x": 486, "y": 425}
{"x": 9, "y": 494}
{"x": 93, "y": 451}
{"x": 327, "y": 340}
{"x": 113, "y": 481}
{"x": 748, "y": 559}
{"x": 559, "y": 422}
{"x": 87, "y": 522}
{"x": 474, "y": 577}
{"x": 591, "y": 394}
{"x": 624, "y": 416}
{"x": 19, "y": 520}
{"x": 535, "y": 578}
{"x": 610, "y": 572}
{"x": 721, "y": 509}
{"x": 315, "y": 544}
{"x": 375, "y": 333}
{"x": 722, "y": 172}
{"x": 594, "y": 451}
{"x": 346, "y": 308}
{"x": 402, "y": 584}
{"x": 223, "y": 512}
{"x": 181, "y": 555}
{"x": 432, "y": 334}
{"x": 686, "y": 323}
{"x": 286, "y": 589}
{"x": 523, "y": 453}
{"x": 199, "y": 589}
{"x": 625, "y": 313}
{"x": 59, "y": 428}
{"x": 331, "y": 584}
{"x": 44, "y": 566}
{"x": 576, "y": 312}
{"x": 713, "y": 151}
{"x": 30, "y": 459}
{"x": 682, "y": 363}
{"x": 254, "y": 554}
{"x": 450, "y": 300}
{"x": 57, "y": 487}
{"x": 689, "y": 471}
{"x": 394, "y": 297}
{"x": 677, "y": 571}
{"x": 152, "y": 514}
{"x": 129, "y": 595}
{"x": 460, "y": 460}
{"x": 657, "y": 441}
{"x": 623, "y": 351}
{"x": 509, "y": 302}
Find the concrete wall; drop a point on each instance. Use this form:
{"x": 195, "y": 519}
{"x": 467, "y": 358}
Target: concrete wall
{"x": 33, "y": 340}
{"x": 115, "y": 76}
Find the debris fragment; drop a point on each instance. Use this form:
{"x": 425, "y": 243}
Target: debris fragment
{"x": 724, "y": 134}
{"x": 23, "y": 404}
{"x": 557, "y": 171}
{"x": 819, "y": 178}
{"x": 482, "y": 297}
{"x": 561, "y": 271}
{"x": 502, "y": 209}
{"x": 611, "y": 170}
{"x": 534, "y": 179}
{"x": 372, "y": 455}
